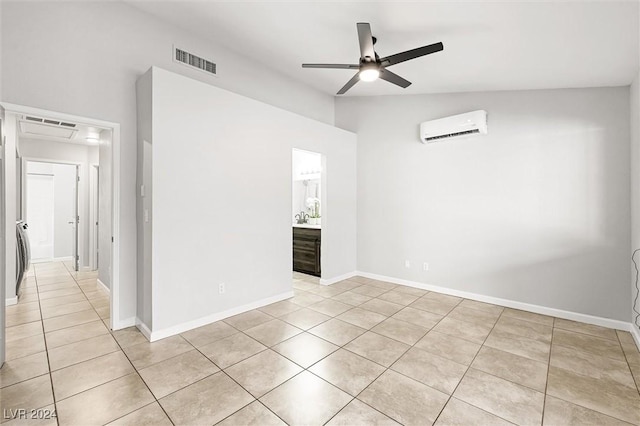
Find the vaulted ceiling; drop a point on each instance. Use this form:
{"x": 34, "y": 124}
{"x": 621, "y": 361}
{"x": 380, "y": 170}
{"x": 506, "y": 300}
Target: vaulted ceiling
{"x": 488, "y": 45}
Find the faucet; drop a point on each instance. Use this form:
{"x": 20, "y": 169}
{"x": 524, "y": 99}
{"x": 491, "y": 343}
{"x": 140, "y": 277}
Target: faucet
{"x": 301, "y": 218}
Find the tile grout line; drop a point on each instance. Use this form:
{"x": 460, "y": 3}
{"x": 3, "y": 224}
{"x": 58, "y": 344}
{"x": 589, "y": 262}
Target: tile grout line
{"x": 546, "y": 385}
{"x": 199, "y": 380}
{"x": 582, "y": 375}
{"x": 411, "y": 346}
{"x": 232, "y": 379}
{"x": 298, "y": 373}
{"x": 137, "y": 372}
{"x": 389, "y": 367}
{"x": 46, "y": 348}
{"x": 120, "y": 349}
{"x": 303, "y": 369}
{"x": 624, "y": 353}
{"x": 465, "y": 373}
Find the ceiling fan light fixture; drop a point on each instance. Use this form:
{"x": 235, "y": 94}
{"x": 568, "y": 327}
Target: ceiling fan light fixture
{"x": 371, "y": 66}
{"x": 369, "y": 74}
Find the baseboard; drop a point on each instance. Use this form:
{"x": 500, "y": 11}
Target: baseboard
{"x": 104, "y": 287}
{"x": 190, "y": 325}
{"x": 559, "y": 313}
{"x": 635, "y": 333}
{"x": 119, "y": 325}
{"x": 143, "y": 329}
{"x": 52, "y": 259}
{"x": 11, "y": 301}
{"x": 334, "y": 280}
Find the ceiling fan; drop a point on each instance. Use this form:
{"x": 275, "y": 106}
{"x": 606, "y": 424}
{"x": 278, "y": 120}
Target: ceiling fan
{"x": 371, "y": 66}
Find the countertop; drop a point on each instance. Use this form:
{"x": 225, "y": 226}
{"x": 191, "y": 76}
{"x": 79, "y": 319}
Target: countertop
{"x": 307, "y": 226}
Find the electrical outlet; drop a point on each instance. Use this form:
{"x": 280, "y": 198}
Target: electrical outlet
{"x": 407, "y": 264}
{"x": 221, "y": 288}
{"x": 425, "y": 266}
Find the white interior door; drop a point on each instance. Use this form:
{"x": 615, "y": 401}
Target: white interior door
{"x": 40, "y": 215}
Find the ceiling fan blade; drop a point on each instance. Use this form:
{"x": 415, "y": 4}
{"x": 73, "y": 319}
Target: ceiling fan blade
{"x": 366, "y": 41}
{"x": 349, "y": 84}
{"x": 334, "y": 66}
{"x": 394, "y": 78}
{"x": 411, "y": 54}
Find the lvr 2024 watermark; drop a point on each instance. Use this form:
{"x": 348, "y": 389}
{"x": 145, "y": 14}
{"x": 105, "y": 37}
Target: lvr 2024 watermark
{"x": 24, "y": 413}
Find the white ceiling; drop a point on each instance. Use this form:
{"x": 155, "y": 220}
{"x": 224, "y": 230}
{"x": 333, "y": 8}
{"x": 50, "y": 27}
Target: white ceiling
{"x": 487, "y": 45}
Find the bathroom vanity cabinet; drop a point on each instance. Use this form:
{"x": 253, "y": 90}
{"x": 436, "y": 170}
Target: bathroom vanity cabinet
{"x": 306, "y": 249}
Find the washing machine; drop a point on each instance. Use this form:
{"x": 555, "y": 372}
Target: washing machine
{"x": 23, "y": 253}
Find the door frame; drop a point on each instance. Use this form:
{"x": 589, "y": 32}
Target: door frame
{"x": 94, "y": 209}
{"x": 3, "y": 244}
{"x": 23, "y": 198}
{"x": 11, "y": 114}
{"x": 323, "y": 200}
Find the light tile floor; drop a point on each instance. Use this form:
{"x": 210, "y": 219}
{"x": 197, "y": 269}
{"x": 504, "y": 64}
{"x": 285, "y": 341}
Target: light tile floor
{"x": 358, "y": 352}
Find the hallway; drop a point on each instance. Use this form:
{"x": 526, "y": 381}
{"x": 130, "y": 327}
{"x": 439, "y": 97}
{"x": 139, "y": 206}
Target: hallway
{"x": 59, "y": 310}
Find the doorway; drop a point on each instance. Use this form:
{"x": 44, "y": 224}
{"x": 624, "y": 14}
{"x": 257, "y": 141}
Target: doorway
{"x": 53, "y": 134}
{"x": 51, "y": 200}
{"x": 306, "y": 212}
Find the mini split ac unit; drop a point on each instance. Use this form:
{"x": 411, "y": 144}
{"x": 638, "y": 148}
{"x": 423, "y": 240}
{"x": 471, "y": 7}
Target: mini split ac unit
{"x": 470, "y": 123}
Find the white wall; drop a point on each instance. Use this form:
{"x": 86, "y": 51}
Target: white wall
{"x": 537, "y": 211}
{"x": 90, "y": 67}
{"x": 635, "y": 193}
{"x": 222, "y": 197}
{"x": 65, "y": 152}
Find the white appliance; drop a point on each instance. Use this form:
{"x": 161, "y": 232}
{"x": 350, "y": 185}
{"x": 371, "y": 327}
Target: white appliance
{"x": 470, "y": 123}
{"x": 23, "y": 253}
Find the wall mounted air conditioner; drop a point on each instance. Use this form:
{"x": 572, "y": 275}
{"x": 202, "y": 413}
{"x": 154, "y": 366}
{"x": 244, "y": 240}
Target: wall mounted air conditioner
{"x": 470, "y": 123}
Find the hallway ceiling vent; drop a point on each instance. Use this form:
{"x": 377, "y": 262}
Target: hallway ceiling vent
{"x": 51, "y": 122}
{"x": 44, "y": 127}
{"x": 186, "y": 58}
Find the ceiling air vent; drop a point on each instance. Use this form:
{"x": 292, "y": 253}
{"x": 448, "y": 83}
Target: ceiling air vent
{"x": 194, "y": 61}
{"x": 45, "y": 127}
{"x": 48, "y": 121}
